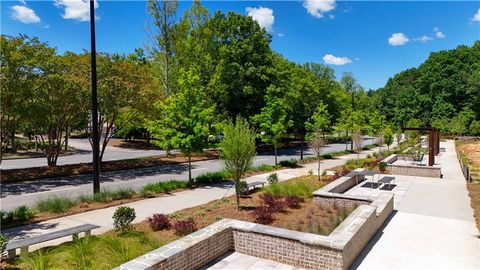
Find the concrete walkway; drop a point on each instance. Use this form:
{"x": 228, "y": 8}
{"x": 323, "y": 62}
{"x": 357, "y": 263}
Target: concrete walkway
{"x": 433, "y": 226}
{"x": 166, "y": 204}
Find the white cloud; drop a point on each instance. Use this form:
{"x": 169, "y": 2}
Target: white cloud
{"x": 317, "y": 8}
{"x": 398, "y": 39}
{"x": 423, "y": 39}
{"x": 280, "y": 35}
{"x": 24, "y": 14}
{"x": 22, "y": 2}
{"x": 264, "y": 16}
{"x": 438, "y": 33}
{"x": 76, "y": 9}
{"x": 476, "y": 16}
{"x": 334, "y": 60}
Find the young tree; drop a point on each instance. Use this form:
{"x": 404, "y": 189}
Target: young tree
{"x": 320, "y": 121}
{"x": 237, "y": 150}
{"x": 186, "y": 119}
{"x": 317, "y": 144}
{"x": 357, "y": 140}
{"x": 163, "y": 13}
{"x": 273, "y": 121}
{"x": 388, "y": 136}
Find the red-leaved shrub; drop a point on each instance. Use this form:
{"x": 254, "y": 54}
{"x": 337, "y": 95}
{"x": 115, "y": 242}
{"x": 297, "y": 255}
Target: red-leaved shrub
{"x": 293, "y": 201}
{"x": 184, "y": 227}
{"x": 272, "y": 201}
{"x": 263, "y": 214}
{"x": 159, "y": 222}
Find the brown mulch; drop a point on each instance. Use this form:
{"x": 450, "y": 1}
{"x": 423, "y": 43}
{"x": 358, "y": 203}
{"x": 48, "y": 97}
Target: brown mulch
{"x": 18, "y": 175}
{"x": 474, "y": 193}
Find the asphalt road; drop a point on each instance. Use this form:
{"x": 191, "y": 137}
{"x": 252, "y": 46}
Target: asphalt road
{"x": 28, "y": 193}
{"x": 84, "y": 156}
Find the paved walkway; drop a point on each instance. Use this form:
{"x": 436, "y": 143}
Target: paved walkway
{"x": 433, "y": 226}
{"x": 166, "y": 204}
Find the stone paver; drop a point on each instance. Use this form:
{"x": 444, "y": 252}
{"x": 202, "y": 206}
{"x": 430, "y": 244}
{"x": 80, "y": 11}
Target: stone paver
{"x": 433, "y": 227}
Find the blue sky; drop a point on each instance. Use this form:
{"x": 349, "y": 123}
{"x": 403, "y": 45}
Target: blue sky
{"x": 372, "y": 39}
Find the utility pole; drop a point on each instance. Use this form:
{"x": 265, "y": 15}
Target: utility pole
{"x": 95, "y": 135}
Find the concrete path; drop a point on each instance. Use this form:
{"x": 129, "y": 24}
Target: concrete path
{"x": 433, "y": 226}
{"x": 166, "y": 204}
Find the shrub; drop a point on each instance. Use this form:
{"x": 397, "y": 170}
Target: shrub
{"x": 159, "y": 222}
{"x": 184, "y": 227}
{"x": 241, "y": 187}
{"x": 3, "y": 244}
{"x": 382, "y": 166}
{"x": 294, "y": 189}
{"x": 22, "y": 213}
{"x": 55, "y": 205}
{"x": 293, "y": 201}
{"x": 310, "y": 172}
{"x": 263, "y": 167}
{"x": 272, "y": 178}
{"x": 211, "y": 177}
{"x": 273, "y": 202}
{"x": 263, "y": 215}
{"x": 289, "y": 163}
{"x": 218, "y": 218}
{"x": 123, "y": 218}
{"x": 6, "y": 217}
{"x": 327, "y": 156}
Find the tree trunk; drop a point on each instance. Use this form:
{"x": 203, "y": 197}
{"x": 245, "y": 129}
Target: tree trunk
{"x": 237, "y": 195}
{"x": 346, "y": 141}
{"x": 275, "y": 149}
{"x": 319, "y": 170}
{"x": 12, "y": 141}
{"x": 66, "y": 138}
{"x": 190, "y": 169}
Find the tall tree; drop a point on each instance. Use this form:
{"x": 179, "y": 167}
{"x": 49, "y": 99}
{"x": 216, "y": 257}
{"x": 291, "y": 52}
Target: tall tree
{"x": 320, "y": 121}
{"x": 237, "y": 151}
{"x": 273, "y": 120}
{"x": 163, "y": 13}
{"x": 186, "y": 118}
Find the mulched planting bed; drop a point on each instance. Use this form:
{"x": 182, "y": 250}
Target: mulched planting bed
{"x": 474, "y": 193}
{"x": 105, "y": 253}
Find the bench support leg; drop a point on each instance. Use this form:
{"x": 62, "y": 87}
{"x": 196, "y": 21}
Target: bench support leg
{"x": 75, "y": 236}
{"x": 11, "y": 253}
{"x": 88, "y": 233}
{"x": 23, "y": 250}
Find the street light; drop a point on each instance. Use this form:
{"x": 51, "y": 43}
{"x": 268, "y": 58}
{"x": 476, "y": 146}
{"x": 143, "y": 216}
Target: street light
{"x": 95, "y": 135}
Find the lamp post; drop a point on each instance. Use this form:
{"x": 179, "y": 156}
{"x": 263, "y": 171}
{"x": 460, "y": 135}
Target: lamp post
{"x": 95, "y": 135}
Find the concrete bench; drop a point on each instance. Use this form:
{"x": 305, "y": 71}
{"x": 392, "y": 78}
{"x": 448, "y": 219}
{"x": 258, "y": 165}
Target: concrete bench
{"x": 254, "y": 185}
{"x": 23, "y": 244}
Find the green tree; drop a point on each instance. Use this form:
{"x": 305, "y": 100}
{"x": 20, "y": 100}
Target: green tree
{"x": 238, "y": 150}
{"x": 388, "y": 136}
{"x": 273, "y": 121}
{"x": 317, "y": 144}
{"x": 185, "y": 119}
{"x": 320, "y": 122}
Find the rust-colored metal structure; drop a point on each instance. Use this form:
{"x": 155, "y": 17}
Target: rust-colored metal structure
{"x": 433, "y": 142}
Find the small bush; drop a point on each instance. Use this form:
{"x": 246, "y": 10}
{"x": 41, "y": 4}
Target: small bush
{"x": 263, "y": 168}
{"x": 159, "y": 222}
{"x": 123, "y": 218}
{"x": 37, "y": 260}
{"x": 293, "y": 201}
{"x": 184, "y": 227}
{"x": 6, "y": 217}
{"x": 272, "y": 201}
{"x": 22, "y": 213}
{"x": 263, "y": 215}
{"x": 272, "y": 178}
{"x": 241, "y": 187}
{"x": 310, "y": 172}
{"x": 211, "y": 177}
{"x": 55, "y": 205}
{"x": 382, "y": 166}
{"x": 218, "y": 218}
{"x": 3, "y": 244}
{"x": 289, "y": 163}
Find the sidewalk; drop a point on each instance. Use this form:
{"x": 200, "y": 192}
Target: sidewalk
{"x": 433, "y": 226}
{"x": 166, "y": 204}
